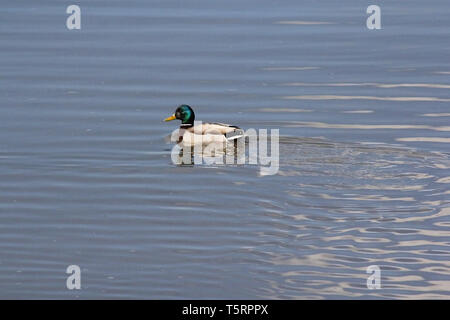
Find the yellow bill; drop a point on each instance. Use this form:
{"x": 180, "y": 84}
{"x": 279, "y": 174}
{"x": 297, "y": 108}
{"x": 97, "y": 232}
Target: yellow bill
{"x": 172, "y": 117}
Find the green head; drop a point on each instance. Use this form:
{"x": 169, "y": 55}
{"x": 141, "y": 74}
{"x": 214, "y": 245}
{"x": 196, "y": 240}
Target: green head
{"x": 183, "y": 113}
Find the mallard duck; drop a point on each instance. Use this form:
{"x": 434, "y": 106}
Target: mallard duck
{"x": 204, "y": 133}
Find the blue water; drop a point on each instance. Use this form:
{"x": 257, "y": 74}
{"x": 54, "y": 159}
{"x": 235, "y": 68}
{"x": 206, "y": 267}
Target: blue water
{"x": 86, "y": 176}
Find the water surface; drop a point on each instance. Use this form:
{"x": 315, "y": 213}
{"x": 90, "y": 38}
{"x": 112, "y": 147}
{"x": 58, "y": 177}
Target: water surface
{"x": 86, "y": 176}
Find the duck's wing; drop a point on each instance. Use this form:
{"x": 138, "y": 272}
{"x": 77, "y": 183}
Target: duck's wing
{"x": 217, "y": 128}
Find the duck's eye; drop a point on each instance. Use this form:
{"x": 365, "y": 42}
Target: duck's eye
{"x": 178, "y": 115}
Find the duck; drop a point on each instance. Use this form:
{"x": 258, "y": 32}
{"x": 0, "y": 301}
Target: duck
{"x": 205, "y": 133}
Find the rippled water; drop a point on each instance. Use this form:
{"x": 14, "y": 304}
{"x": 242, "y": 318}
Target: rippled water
{"x": 86, "y": 176}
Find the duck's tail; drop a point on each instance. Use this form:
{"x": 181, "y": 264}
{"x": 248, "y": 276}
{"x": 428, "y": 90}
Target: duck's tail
{"x": 235, "y": 134}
